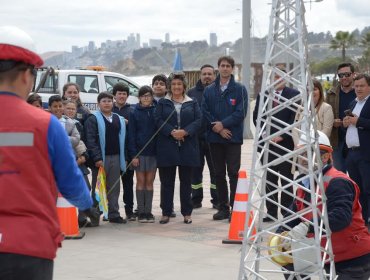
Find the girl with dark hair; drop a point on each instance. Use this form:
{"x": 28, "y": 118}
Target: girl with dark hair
{"x": 35, "y": 100}
{"x": 72, "y": 91}
{"x": 142, "y": 150}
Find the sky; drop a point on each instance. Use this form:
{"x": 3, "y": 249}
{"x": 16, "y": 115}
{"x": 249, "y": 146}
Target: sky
{"x": 57, "y": 25}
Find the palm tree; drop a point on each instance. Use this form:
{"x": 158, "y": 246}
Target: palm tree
{"x": 342, "y": 40}
{"x": 365, "y": 41}
{"x": 364, "y": 61}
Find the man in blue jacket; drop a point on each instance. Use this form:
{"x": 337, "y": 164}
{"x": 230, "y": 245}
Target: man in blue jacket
{"x": 224, "y": 108}
{"x": 207, "y": 76}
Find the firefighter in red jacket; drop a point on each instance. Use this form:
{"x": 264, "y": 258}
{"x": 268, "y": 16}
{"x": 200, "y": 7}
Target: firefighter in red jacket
{"x": 350, "y": 238}
{"x": 36, "y": 161}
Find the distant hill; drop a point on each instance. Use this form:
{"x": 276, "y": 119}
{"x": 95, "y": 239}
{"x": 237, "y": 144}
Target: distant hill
{"x": 194, "y": 54}
{"x": 151, "y": 60}
{"x": 49, "y": 55}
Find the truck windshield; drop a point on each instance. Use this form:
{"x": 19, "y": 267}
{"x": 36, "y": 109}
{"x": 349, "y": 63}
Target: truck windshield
{"x": 111, "y": 81}
{"x": 46, "y": 81}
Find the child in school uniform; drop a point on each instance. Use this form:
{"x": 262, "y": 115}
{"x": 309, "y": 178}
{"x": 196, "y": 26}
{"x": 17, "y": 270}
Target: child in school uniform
{"x": 142, "y": 150}
{"x": 105, "y": 141}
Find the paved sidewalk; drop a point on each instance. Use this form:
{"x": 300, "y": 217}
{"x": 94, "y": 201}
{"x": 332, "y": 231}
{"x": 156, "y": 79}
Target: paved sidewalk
{"x": 153, "y": 251}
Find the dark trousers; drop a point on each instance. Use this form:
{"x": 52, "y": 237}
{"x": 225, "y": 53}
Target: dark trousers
{"x": 197, "y": 178}
{"x": 112, "y": 170}
{"x": 167, "y": 175}
{"x": 81, "y": 215}
{"x": 94, "y": 177}
{"x": 226, "y": 157}
{"x": 285, "y": 169}
{"x": 358, "y": 272}
{"x": 339, "y": 158}
{"x": 128, "y": 190}
{"x": 359, "y": 170}
{"x": 22, "y": 267}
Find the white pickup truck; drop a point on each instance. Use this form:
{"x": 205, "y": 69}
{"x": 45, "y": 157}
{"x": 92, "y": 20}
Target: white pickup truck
{"x": 91, "y": 81}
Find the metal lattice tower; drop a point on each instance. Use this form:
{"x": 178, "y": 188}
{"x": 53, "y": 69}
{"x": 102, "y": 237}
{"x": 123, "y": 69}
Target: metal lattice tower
{"x": 286, "y": 44}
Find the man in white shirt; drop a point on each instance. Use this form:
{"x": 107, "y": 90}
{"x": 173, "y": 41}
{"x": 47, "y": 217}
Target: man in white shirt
{"x": 357, "y": 123}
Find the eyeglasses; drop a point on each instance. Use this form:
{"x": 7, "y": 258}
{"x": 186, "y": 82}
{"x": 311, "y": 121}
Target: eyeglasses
{"x": 34, "y": 71}
{"x": 345, "y": 74}
{"x": 146, "y": 96}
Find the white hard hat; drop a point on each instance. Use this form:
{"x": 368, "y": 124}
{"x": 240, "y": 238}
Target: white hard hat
{"x": 324, "y": 142}
{"x": 17, "y": 45}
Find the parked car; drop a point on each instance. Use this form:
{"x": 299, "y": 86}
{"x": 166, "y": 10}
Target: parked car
{"x": 91, "y": 81}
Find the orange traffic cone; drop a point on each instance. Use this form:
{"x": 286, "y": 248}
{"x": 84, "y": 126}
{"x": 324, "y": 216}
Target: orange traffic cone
{"x": 236, "y": 230}
{"x": 68, "y": 221}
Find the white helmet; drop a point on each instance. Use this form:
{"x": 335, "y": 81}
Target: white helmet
{"x": 324, "y": 142}
{"x": 17, "y": 45}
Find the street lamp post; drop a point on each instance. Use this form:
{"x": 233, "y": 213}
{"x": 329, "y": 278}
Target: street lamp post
{"x": 246, "y": 60}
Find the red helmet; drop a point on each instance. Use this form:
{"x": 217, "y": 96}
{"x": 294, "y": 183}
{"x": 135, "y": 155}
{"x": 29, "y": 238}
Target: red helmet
{"x": 17, "y": 45}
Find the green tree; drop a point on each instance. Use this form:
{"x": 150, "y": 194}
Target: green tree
{"x": 342, "y": 40}
{"x": 365, "y": 41}
{"x": 328, "y": 65}
{"x": 364, "y": 61}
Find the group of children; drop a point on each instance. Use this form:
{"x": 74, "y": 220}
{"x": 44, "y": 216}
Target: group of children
{"x": 100, "y": 140}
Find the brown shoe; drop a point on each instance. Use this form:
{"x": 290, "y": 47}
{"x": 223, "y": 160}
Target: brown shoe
{"x": 164, "y": 220}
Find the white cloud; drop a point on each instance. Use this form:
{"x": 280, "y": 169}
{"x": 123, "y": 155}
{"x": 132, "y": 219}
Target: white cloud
{"x": 57, "y": 25}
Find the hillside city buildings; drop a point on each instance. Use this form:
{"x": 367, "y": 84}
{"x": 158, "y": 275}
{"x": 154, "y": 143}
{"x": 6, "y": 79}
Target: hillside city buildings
{"x": 133, "y": 42}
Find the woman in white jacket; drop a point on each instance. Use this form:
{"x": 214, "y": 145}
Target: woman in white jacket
{"x": 324, "y": 111}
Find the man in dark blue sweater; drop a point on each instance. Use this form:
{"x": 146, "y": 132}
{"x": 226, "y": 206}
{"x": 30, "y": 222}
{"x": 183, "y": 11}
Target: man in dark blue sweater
{"x": 340, "y": 98}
